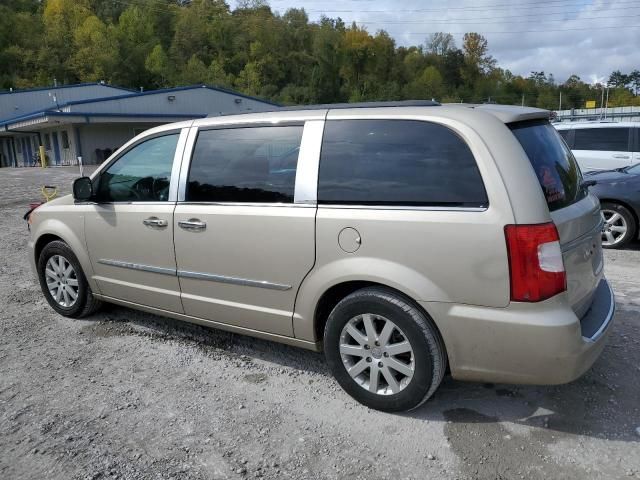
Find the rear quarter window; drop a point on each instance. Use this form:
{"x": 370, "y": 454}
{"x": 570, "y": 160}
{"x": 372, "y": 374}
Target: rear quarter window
{"x": 397, "y": 163}
{"x": 555, "y": 166}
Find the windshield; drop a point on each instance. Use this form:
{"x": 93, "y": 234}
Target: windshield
{"x": 557, "y": 170}
{"x": 633, "y": 169}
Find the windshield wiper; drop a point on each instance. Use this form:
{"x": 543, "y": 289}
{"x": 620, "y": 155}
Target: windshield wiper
{"x": 588, "y": 183}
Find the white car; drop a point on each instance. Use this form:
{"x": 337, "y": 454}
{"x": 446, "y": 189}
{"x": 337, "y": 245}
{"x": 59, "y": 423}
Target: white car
{"x": 602, "y": 145}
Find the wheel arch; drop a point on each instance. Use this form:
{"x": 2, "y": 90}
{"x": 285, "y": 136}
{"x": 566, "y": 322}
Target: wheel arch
{"x": 334, "y": 294}
{"x": 49, "y": 230}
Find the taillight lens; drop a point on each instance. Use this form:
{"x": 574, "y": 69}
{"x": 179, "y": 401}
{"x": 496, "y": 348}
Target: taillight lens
{"x": 536, "y": 267}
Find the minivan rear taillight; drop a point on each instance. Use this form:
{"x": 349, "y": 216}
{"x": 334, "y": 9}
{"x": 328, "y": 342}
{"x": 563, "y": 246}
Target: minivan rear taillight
{"x": 536, "y": 267}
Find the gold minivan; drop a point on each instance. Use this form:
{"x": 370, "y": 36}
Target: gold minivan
{"x": 401, "y": 239}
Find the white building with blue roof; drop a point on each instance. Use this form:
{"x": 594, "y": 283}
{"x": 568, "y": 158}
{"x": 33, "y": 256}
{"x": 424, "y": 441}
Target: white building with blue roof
{"x": 93, "y": 120}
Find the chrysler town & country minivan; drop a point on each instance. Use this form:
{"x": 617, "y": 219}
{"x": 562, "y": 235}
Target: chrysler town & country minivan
{"x": 404, "y": 240}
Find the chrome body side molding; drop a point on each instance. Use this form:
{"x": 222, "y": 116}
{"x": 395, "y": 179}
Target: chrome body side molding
{"x": 197, "y": 275}
{"x": 233, "y": 280}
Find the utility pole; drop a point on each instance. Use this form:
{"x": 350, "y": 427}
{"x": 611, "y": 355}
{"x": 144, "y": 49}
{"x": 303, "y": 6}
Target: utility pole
{"x": 606, "y": 106}
{"x": 560, "y": 105}
{"x": 523, "y": 99}
{"x": 602, "y": 103}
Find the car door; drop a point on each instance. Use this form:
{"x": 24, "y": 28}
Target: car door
{"x": 602, "y": 148}
{"x": 129, "y": 229}
{"x": 243, "y": 240}
{"x": 636, "y": 145}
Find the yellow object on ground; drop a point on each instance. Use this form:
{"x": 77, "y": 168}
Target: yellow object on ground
{"x": 49, "y": 192}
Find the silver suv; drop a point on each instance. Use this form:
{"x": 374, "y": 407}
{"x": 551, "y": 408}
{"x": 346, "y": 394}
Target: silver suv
{"x": 398, "y": 238}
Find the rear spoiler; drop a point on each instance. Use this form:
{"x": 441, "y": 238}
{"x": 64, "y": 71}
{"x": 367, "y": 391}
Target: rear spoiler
{"x": 509, "y": 113}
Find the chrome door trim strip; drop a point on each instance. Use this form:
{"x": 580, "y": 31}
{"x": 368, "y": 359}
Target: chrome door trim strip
{"x": 137, "y": 266}
{"x": 306, "y": 188}
{"x": 233, "y": 280}
{"x": 197, "y": 275}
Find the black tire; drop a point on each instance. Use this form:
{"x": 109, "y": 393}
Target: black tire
{"x": 85, "y": 304}
{"x": 630, "y": 221}
{"x": 430, "y": 359}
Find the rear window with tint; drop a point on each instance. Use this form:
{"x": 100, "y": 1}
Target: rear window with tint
{"x": 397, "y": 163}
{"x": 602, "y": 139}
{"x": 553, "y": 162}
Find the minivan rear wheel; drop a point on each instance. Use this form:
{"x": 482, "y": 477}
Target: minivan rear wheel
{"x": 63, "y": 282}
{"x": 619, "y": 225}
{"x": 383, "y": 350}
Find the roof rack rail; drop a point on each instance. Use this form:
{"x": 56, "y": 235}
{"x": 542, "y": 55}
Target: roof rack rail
{"x": 338, "y": 106}
{"x": 335, "y": 106}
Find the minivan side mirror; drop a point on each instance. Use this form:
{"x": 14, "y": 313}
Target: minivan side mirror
{"x": 82, "y": 189}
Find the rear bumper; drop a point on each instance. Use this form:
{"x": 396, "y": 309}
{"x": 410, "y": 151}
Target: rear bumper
{"x": 541, "y": 343}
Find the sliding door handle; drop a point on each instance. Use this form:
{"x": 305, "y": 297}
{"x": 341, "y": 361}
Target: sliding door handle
{"x": 192, "y": 224}
{"x": 155, "y": 222}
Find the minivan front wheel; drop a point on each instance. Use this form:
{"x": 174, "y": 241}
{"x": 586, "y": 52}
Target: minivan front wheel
{"x": 619, "y": 225}
{"x": 63, "y": 282}
{"x": 383, "y": 350}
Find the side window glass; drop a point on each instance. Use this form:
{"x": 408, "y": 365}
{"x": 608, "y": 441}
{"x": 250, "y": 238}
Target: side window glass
{"x": 142, "y": 174}
{"x": 603, "y": 139}
{"x": 397, "y": 162}
{"x": 565, "y": 135}
{"x": 247, "y": 165}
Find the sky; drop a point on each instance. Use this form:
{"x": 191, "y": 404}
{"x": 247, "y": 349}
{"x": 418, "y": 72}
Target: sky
{"x": 589, "y": 38}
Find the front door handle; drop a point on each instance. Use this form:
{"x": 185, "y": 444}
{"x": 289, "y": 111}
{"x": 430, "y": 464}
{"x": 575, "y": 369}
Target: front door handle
{"x": 621, "y": 155}
{"x": 155, "y": 222}
{"x": 192, "y": 224}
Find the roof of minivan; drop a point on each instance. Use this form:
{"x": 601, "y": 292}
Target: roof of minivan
{"x": 504, "y": 113}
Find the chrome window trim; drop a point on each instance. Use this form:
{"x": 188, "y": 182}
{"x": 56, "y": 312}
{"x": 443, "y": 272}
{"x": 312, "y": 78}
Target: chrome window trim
{"x": 251, "y": 204}
{"x": 306, "y": 186}
{"x": 403, "y": 207}
{"x": 137, "y": 266}
{"x": 233, "y": 280}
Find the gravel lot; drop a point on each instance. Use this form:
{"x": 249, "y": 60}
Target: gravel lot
{"x": 130, "y": 395}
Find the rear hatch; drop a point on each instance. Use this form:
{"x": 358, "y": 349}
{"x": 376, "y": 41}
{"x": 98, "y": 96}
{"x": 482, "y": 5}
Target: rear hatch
{"x": 575, "y": 213}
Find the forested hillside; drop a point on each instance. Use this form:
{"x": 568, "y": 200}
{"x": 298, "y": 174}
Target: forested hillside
{"x": 282, "y": 57}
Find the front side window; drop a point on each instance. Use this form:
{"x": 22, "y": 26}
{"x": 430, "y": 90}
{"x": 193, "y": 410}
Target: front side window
{"x": 603, "y": 139}
{"x": 247, "y": 165}
{"x": 397, "y": 163}
{"x": 142, "y": 174}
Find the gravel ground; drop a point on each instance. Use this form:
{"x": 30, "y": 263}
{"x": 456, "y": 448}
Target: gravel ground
{"x": 130, "y": 395}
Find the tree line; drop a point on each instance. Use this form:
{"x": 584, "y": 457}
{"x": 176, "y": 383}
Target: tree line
{"x": 282, "y": 57}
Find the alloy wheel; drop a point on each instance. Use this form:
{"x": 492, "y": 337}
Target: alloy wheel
{"x": 62, "y": 281}
{"x": 377, "y": 354}
{"x": 614, "y": 229}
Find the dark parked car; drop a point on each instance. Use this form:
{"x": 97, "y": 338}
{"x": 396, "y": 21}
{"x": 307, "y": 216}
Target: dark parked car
{"x": 619, "y": 194}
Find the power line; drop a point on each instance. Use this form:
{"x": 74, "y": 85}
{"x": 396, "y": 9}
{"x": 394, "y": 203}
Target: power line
{"x": 473, "y": 8}
{"x": 474, "y": 22}
{"x": 522, "y": 31}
